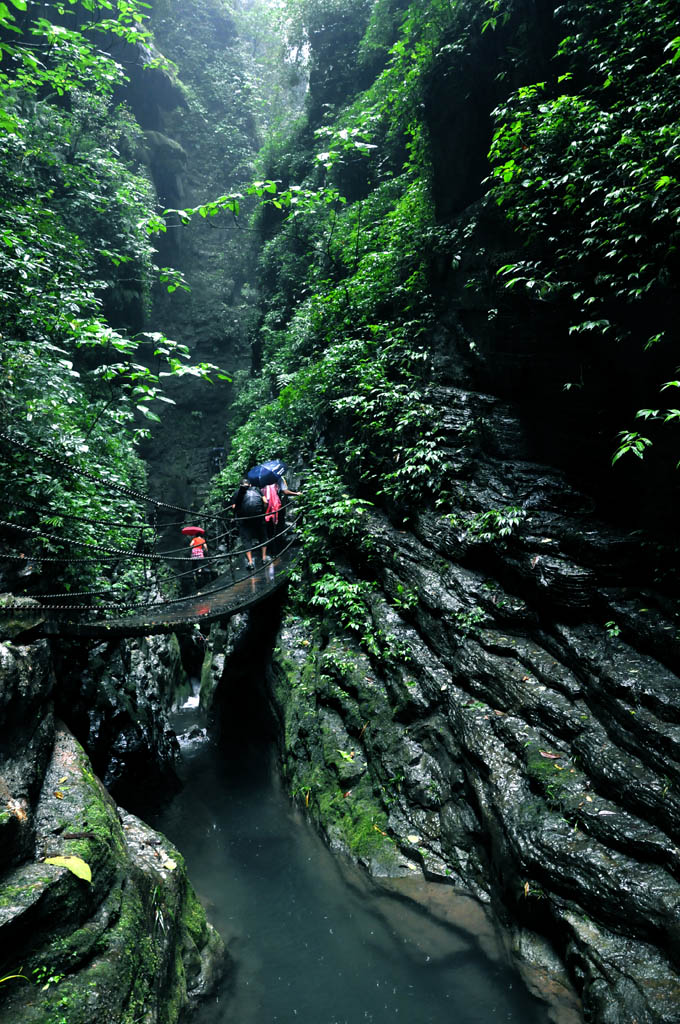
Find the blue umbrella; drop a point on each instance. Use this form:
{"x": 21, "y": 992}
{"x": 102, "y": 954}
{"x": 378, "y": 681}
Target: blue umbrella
{"x": 270, "y": 472}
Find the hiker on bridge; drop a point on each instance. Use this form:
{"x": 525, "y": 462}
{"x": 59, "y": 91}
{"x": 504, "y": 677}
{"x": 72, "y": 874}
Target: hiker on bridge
{"x": 284, "y": 493}
{"x": 269, "y": 477}
{"x": 199, "y": 549}
{"x": 250, "y": 508}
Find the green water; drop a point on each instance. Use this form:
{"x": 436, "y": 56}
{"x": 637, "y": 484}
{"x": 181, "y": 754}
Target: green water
{"x": 315, "y": 941}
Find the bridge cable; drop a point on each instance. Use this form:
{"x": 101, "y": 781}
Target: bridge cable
{"x": 119, "y": 488}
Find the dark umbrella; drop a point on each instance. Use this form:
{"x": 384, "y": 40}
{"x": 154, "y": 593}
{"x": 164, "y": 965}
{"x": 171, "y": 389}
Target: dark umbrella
{"x": 270, "y": 472}
{"x": 193, "y": 531}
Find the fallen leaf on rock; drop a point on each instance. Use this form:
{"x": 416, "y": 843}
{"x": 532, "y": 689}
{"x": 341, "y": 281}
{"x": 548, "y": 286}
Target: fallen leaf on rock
{"x": 170, "y": 864}
{"x": 413, "y": 839}
{"x": 76, "y": 866}
{"x": 553, "y": 757}
{"x": 59, "y": 795}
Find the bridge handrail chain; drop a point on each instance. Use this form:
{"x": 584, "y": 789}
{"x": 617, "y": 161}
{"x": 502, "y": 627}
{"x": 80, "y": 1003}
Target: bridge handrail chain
{"x": 121, "y": 606}
{"x": 108, "y": 551}
{"x": 120, "y": 488}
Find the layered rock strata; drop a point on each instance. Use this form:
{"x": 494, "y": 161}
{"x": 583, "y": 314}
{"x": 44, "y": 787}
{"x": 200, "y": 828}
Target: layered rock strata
{"x": 517, "y": 732}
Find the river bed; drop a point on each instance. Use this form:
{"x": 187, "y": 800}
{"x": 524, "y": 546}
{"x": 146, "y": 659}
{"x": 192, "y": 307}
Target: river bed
{"x": 314, "y": 940}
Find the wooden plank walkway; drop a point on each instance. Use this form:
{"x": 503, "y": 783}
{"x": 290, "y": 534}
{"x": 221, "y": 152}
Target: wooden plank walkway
{"x": 218, "y": 599}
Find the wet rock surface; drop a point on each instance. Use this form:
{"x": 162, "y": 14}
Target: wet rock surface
{"x": 114, "y": 931}
{"x": 518, "y": 733}
{"x": 115, "y": 697}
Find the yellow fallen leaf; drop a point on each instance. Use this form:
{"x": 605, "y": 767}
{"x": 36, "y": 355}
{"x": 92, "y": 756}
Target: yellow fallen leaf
{"x": 413, "y": 839}
{"x": 76, "y": 865}
{"x": 170, "y": 864}
{"x": 63, "y": 779}
{"x": 59, "y": 795}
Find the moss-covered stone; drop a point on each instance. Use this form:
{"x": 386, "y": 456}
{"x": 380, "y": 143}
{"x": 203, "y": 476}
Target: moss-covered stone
{"x": 327, "y": 699}
{"x": 133, "y": 944}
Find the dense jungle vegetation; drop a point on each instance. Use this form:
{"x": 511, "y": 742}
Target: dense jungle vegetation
{"x": 389, "y": 217}
{"x": 376, "y": 217}
{"x": 81, "y": 369}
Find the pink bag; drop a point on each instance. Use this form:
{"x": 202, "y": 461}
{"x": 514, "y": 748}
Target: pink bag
{"x": 271, "y": 496}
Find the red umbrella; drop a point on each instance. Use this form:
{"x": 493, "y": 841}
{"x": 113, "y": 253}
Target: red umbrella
{"x": 193, "y": 531}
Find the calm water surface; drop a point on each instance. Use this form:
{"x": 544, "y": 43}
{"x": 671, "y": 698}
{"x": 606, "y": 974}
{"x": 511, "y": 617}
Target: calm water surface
{"x": 314, "y": 941}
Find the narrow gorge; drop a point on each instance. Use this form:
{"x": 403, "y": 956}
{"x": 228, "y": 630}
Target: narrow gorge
{"x": 427, "y": 255}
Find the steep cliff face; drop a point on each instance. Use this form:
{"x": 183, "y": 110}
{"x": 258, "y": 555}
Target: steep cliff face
{"x": 115, "y": 697}
{"x": 128, "y": 939}
{"x": 517, "y": 733}
{"x": 506, "y": 716}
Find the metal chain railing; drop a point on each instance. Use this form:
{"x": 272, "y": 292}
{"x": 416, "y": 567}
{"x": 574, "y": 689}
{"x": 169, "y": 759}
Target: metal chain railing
{"x": 111, "y": 553}
{"x": 118, "y": 488}
{"x": 121, "y": 606}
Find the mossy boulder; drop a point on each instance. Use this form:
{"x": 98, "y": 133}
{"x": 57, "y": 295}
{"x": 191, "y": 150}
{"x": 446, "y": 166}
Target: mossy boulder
{"x": 131, "y": 942}
{"x": 96, "y": 911}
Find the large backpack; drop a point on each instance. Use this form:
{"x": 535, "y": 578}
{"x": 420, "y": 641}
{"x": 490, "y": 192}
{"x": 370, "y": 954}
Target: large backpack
{"x": 251, "y": 504}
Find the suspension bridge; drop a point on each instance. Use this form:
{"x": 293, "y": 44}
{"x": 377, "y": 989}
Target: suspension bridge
{"x": 151, "y": 588}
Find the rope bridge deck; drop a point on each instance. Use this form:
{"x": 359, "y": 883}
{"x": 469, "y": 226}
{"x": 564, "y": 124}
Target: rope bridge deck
{"x": 219, "y": 599}
{"x": 136, "y": 599}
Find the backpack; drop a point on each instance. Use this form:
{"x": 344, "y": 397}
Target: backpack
{"x": 251, "y": 504}
{"x": 271, "y": 496}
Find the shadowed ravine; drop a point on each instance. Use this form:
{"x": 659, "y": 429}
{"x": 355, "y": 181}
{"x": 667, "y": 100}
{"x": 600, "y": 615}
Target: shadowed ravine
{"x": 314, "y": 941}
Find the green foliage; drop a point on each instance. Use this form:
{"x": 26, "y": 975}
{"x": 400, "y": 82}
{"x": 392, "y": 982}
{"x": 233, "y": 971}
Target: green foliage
{"x": 633, "y": 442}
{"x": 585, "y": 169}
{"x": 45, "y": 977}
{"x": 467, "y": 621}
{"x": 74, "y": 253}
{"x": 493, "y": 525}
{"x": 343, "y": 370}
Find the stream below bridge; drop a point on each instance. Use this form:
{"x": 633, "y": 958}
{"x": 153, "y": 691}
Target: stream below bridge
{"x": 314, "y": 940}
